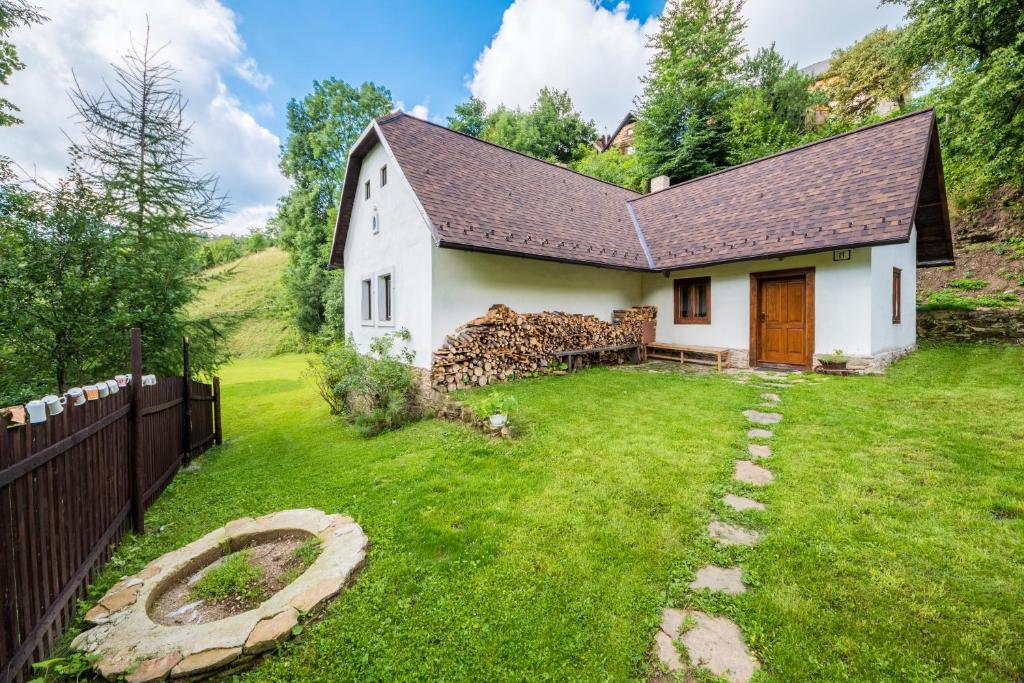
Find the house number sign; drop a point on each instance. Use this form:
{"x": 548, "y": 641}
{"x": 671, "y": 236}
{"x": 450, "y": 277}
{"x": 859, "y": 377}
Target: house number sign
{"x": 841, "y": 254}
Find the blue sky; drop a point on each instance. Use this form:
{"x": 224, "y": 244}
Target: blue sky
{"x": 240, "y": 61}
{"x": 423, "y": 51}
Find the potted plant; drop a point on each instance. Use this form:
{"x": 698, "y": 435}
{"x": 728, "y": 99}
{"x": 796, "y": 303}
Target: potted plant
{"x": 496, "y": 409}
{"x": 834, "y": 362}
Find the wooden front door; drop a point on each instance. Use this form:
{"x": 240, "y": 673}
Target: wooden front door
{"x": 784, "y": 313}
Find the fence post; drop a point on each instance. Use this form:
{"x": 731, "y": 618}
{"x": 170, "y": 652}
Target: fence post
{"x": 186, "y": 421}
{"x": 138, "y": 489}
{"x": 218, "y": 436}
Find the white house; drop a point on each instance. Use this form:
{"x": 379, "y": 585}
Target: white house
{"x": 779, "y": 260}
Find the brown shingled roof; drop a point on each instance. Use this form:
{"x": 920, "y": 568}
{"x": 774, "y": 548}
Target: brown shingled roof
{"x": 861, "y": 188}
{"x": 480, "y": 196}
{"x": 852, "y": 190}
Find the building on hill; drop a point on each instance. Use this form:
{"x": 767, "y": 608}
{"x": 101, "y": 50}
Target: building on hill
{"x": 819, "y": 72}
{"x": 780, "y": 260}
{"x": 621, "y": 137}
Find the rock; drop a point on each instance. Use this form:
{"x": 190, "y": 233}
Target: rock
{"x": 740, "y": 504}
{"x": 715, "y": 643}
{"x": 672, "y": 621}
{"x": 97, "y": 615}
{"x": 269, "y": 632}
{"x": 113, "y": 665}
{"x": 113, "y": 602}
{"x": 749, "y": 473}
{"x": 771, "y": 398}
{"x": 756, "y": 433}
{"x": 728, "y": 580}
{"x": 727, "y": 534}
{"x": 666, "y": 652}
{"x": 155, "y": 669}
{"x": 207, "y": 660}
{"x": 757, "y": 417}
{"x": 312, "y": 596}
{"x": 758, "y": 451}
{"x": 148, "y": 573}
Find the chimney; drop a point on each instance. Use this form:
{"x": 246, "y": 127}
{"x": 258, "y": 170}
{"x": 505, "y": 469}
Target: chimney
{"x": 660, "y": 183}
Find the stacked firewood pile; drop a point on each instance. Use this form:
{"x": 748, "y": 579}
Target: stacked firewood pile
{"x": 503, "y": 344}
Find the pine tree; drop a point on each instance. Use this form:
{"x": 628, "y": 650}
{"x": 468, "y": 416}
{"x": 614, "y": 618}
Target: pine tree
{"x": 136, "y": 153}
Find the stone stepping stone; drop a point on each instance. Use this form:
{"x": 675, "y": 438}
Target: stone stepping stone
{"x": 758, "y": 451}
{"x": 668, "y": 630}
{"x": 727, "y": 534}
{"x": 770, "y": 397}
{"x": 749, "y": 473}
{"x": 728, "y": 580}
{"x": 757, "y": 417}
{"x": 741, "y": 504}
{"x": 715, "y": 644}
{"x": 756, "y": 433}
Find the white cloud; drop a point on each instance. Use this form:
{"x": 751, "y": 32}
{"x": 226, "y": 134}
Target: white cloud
{"x": 421, "y": 111}
{"x": 805, "y": 33}
{"x": 251, "y": 74}
{"x": 201, "y": 40}
{"x": 597, "y": 54}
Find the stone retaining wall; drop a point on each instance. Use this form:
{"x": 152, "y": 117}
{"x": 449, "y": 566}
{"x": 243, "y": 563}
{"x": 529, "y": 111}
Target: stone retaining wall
{"x": 983, "y": 324}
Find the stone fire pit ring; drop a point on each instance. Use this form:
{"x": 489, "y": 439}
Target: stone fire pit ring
{"x": 129, "y": 643}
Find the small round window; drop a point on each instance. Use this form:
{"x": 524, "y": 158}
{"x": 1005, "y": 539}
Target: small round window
{"x": 375, "y": 225}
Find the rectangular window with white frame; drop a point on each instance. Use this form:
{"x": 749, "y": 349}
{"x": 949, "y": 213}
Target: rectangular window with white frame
{"x": 385, "y": 299}
{"x": 367, "y": 300}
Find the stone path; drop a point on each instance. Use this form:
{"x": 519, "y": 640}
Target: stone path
{"x": 749, "y": 473}
{"x": 728, "y": 580}
{"x": 741, "y": 504}
{"x": 712, "y": 642}
{"x": 728, "y": 534}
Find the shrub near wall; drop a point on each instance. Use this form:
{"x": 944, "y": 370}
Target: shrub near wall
{"x": 980, "y": 325}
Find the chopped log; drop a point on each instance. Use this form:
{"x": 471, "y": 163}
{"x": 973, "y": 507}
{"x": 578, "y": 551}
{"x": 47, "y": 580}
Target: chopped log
{"x": 504, "y": 344}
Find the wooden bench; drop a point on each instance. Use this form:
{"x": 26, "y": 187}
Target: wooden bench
{"x": 685, "y": 352}
{"x": 574, "y": 358}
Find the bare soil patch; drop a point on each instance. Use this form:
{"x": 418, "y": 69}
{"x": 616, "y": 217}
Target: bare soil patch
{"x": 278, "y": 564}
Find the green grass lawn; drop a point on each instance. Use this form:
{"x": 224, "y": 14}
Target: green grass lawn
{"x": 895, "y": 526}
{"x": 246, "y": 299}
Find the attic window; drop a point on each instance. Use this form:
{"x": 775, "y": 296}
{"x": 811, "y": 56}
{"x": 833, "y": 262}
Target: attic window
{"x": 383, "y": 176}
{"x": 375, "y": 223}
{"x": 367, "y": 188}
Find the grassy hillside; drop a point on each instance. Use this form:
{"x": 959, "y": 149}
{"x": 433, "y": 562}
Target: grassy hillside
{"x": 246, "y": 299}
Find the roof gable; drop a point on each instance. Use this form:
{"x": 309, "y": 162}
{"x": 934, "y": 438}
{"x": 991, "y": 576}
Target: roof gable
{"x": 866, "y": 187}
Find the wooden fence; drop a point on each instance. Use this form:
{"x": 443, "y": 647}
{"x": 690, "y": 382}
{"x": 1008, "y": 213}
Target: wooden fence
{"x": 71, "y": 486}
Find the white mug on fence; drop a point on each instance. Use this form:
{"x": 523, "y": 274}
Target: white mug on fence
{"x": 122, "y": 380}
{"x": 149, "y": 380}
{"x": 36, "y": 410}
{"x": 103, "y": 389}
{"x": 55, "y": 404}
{"x": 76, "y": 396}
{"x": 112, "y": 386}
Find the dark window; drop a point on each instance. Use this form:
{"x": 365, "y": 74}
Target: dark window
{"x": 383, "y": 176}
{"x": 367, "y": 186}
{"x": 693, "y": 301}
{"x": 897, "y": 295}
{"x": 367, "y": 300}
{"x": 384, "y": 297}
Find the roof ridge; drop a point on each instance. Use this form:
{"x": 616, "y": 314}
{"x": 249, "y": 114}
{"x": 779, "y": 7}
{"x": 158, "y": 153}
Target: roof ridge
{"x": 928, "y": 110}
{"x": 399, "y": 113}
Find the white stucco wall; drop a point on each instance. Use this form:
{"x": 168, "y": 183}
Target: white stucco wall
{"x": 886, "y": 335}
{"x": 466, "y": 284}
{"x": 403, "y": 247}
{"x": 842, "y": 302}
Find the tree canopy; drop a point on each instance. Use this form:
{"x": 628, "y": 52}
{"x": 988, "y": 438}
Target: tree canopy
{"x": 871, "y": 73}
{"x": 13, "y": 13}
{"x": 322, "y": 127}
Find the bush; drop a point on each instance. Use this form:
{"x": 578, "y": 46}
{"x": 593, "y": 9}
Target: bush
{"x": 968, "y": 284}
{"x": 376, "y": 391}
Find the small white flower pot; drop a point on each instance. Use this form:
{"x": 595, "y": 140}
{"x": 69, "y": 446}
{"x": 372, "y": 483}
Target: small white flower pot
{"x": 498, "y": 421}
